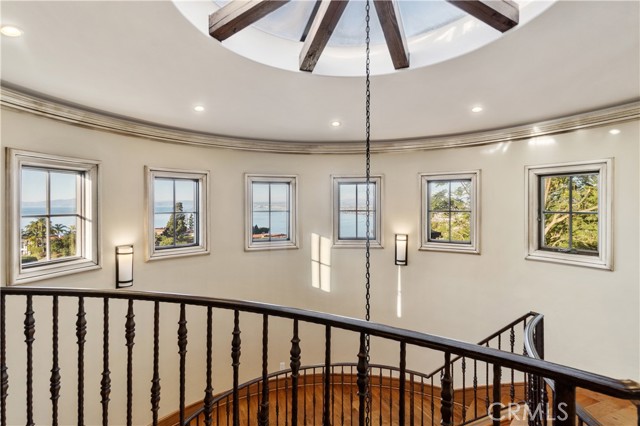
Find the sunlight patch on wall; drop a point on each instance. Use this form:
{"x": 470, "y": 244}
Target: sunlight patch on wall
{"x": 320, "y": 262}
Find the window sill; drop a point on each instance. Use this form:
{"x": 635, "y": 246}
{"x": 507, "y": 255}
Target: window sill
{"x": 451, "y": 248}
{"x": 51, "y": 271}
{"x": 176, "y": 253}
{"x": 288, "y": 245}
{"x": 570, "y": 259}
{"x": 359, "y": 244}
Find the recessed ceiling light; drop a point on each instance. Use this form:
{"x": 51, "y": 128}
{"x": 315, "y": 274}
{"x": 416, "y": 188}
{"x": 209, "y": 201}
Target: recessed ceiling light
{"x": 476, "y": 108}
{"x": 614, "y": 131}
{"x": 336, "y": 123}
{"x": 10, "y": 31}
{"x": 198, "y": 108}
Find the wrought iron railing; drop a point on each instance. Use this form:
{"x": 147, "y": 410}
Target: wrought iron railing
{"x": 565, "y": 379}
{"x": 419, "y": 387}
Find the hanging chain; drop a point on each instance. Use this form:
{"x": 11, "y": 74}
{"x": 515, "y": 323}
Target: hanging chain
{"x": 368, "y": 215}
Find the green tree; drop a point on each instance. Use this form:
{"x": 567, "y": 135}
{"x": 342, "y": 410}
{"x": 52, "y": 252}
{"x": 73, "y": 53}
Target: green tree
{"x": 175, "y": 232}
{"x": 576, "y": 229}
{"x": 35, "y": 234}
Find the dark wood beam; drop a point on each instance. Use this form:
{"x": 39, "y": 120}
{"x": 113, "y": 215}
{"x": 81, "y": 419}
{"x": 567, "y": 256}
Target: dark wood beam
{"x": 391, "y": 22}
{"x": 500, "y": 14}
{"x": 239, "y": 14}
{"x": 323, "y": 25}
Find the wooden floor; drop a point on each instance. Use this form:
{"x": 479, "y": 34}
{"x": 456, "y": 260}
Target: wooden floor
{"x": 420, "y": 409}
{"x": 608, "y": 411}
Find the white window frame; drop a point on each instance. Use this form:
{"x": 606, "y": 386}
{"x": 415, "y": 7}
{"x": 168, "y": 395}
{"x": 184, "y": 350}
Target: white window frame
{"x": 88, "y": 233}
{"x": 604, "y": 168}
{"x": 377, "y": 226}
{"x": 292, "y": 242}
{"x": 202, "y": 176}
{"x": 474, "y": 246}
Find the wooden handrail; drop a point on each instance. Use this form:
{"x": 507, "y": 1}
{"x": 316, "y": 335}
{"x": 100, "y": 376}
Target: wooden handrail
{"x": 623, "y": 389}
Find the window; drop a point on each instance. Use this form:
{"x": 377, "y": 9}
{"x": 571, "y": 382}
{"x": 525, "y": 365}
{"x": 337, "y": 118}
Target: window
{"x": 451, "y": 211}
{"x": 569, "y": 214}
{"x": 177, "y": 213}
{"x": 350, "y": 211}
{"x": 271, "y": 212}
{"x": 53, "y": 216}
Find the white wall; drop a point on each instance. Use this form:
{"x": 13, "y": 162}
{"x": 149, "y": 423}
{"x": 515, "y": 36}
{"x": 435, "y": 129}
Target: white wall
{"x": 592, "y": 316}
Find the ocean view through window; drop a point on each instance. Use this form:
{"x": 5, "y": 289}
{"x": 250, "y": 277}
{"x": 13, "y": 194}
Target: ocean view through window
{"x": 53, "y": 216}
{"x": 350, "y": 211}
{"x": 177, "y": 212}
{"x": 271, "y": 215}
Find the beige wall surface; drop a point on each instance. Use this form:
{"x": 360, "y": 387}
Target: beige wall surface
{"x": 591, "y": 316}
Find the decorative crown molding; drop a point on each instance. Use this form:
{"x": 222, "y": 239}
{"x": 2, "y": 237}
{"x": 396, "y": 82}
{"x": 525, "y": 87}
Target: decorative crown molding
{"x": 19, "y": 100}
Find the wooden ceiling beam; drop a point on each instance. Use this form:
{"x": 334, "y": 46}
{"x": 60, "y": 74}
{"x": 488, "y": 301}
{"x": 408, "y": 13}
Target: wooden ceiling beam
{"x": 391, "y": 22}
{"x": 239, "y": 14}
{"x": 323, "y": 25}
{"x": 500, "y": 14}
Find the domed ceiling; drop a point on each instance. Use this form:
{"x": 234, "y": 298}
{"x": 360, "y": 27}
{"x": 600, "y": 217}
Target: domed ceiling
{"x": 148, "y": 61}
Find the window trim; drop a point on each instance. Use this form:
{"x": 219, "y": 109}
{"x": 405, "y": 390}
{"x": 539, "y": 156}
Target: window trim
{"x": 89, "y": 240}
{"x": 474, "y": 246}
{"x": 604, "y": 167}
{"x": 335, "y": 225}
{"x": 292, "y": 242}
{"x": 202, "y": 248}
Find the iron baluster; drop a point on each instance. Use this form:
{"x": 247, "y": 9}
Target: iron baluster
{"x": 464, "y": 390}
{"x": 81, "y": 332}
{"x": 327, "y": 376}
{"x": 29, "y": 332}
{"x": 421, "y": 401}
{"x": 475, "y": 389}
{"x": 497, "y": 384}
{"x": 263, "y": 416}
{"x": 55, "y": 369}
{"x": 363, "y": 368}
{"x": 446, "y": 394}
{"x": 411, "y": 400}
{"x": 155, "y": 382}
{"x": 486, "y": 382}
{"x": 433, "y": 407}
{"x": 380, "y": 396}
{"x": 208, "y": 392}
{"x": 401, "y": 390}
{"x": 130, "y": 333}
{"x": 182, "y": 351}
{"x": 512, "y": 388}
{"x": 286, "y": 400}
{"x": 105, "y": 385}
{"x": 235, "y": 363}
{"x": 295, "y": 368}
{"x": 277, "y": 400}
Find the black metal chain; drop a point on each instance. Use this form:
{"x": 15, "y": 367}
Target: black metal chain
{"x": 368, "y": 215}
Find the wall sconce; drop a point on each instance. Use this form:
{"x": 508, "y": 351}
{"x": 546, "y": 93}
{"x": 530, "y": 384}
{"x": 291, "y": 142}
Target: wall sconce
{"x": 402, "y": 248}
{"x": 124, "y": 266}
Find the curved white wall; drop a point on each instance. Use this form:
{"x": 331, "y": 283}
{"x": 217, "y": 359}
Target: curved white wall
{"x": 592, "y": 316}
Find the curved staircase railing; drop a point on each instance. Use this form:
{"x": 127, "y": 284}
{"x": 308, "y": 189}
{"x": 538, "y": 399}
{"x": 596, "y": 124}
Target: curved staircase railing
{"x": 419, "y": 389}
{"x": 472, "y": 402}
{"x": 540, "y": 387}
{"x": 565, "y": 379}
